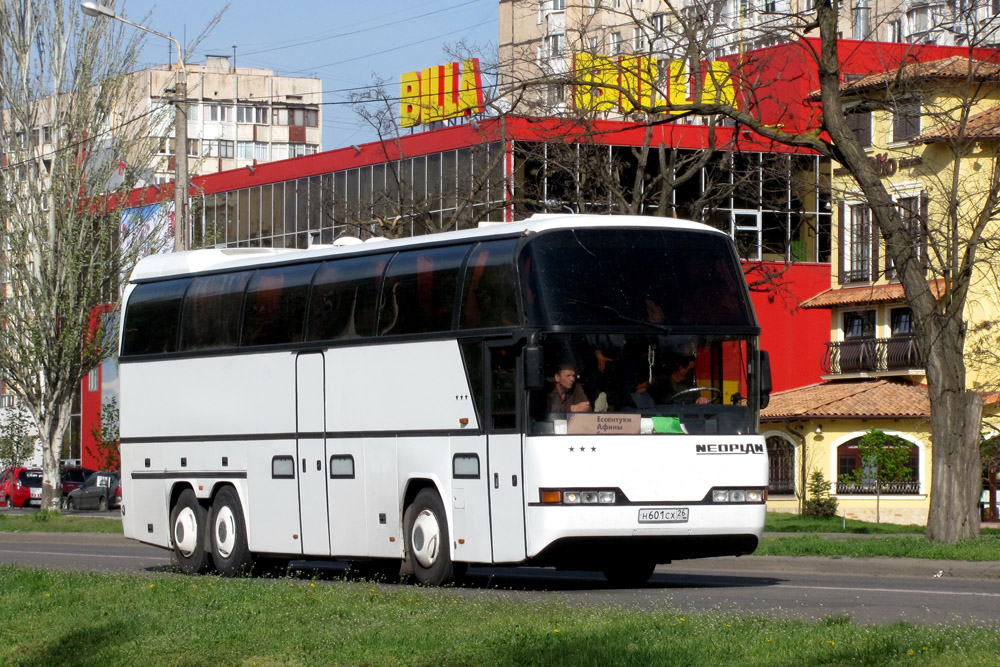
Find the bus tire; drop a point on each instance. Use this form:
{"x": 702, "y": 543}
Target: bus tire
{"x": 628, "y": 573}
{"x": 188, "y": 522}
{"x": 230, "y": 552}
{"x": 428, "y": 544}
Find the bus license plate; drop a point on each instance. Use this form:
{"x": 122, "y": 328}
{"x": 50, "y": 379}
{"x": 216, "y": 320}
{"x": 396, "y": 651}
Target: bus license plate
{"x": 663, "y": 515}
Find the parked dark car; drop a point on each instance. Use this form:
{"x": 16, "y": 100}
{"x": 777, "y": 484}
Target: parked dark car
{"x": 100, "y": 491}
{"x": 73, "y": 477}
{"x": 21, "y": 487}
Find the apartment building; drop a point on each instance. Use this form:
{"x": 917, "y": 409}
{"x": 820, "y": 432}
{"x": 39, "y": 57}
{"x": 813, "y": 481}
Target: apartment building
{"x": 237, "y": 116}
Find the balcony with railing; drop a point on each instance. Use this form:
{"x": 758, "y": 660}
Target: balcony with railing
{"x": 898, "y": 354}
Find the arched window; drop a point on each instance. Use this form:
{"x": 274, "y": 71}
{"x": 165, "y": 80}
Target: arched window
{"x": 781, "y": 462}
{"x": 849, "y": 461}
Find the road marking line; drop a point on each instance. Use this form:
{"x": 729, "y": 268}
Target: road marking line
{"x": 888, "y": 590}
{"x": 69, "y": 553}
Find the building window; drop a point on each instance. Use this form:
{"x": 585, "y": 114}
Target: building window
{"x": 249, "y": 115}
{"x": 252, "y": 150}
{"x": 859, "y": 119}
{"x": 906, "y": 119}
{"x": 911, "y": 212}
{"x": 859, "y": 245}
{"x": 554, "y": 45}
{"x": 217, "y": 148}
{"x": 855, "y": 478}
{"x": 558, "y": 5}
{"x": 781, "y": 463}
{"x": 659, "y": 23}
{"x": 896, "y": 30}
{"x": 919, "y": 20}
{"x": 222, "y": 113}
{"x": 592, "y": 42}
{"x": 859, "y": 324}
{"x": 594, "y": 5}
{"x": 306, "y": 117}
{"x": 615, "y": 43}
{"x": 901, "y": 320}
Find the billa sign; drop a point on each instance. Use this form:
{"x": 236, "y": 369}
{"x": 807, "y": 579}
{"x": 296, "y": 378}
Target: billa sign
{"x": 599, "y": 78}
{"x": 441, "y": 92}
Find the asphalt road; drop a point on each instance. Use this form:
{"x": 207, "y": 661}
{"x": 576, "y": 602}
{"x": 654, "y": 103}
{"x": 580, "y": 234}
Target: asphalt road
{"x": 870, "y": 591}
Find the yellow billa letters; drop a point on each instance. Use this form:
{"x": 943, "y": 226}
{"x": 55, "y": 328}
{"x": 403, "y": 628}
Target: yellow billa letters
{"x": 599, "y": 78}
{"x": 440, "y": 92}
{"x": 595, "y": 75}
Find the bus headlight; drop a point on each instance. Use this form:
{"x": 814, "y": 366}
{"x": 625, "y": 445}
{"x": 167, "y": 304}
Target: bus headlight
{"x": 738, "y": 495}
{"x": 575, "y": 497}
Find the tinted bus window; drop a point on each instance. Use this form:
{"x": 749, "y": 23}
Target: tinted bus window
{"x": 419, "y": 291}
{"x": 211, "y": 317}
{"x": 619, "y": 277}
{"x": 275, "y": 308}
{"x": 152, "y": 317}
{"x": 489, "y": 296}
{"x": 344, "y": 296}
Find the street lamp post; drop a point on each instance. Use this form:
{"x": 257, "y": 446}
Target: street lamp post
{"x": 91, "y": 8}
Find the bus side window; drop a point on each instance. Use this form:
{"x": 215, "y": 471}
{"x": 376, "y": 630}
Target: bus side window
{"x": 418, "y": 295}
{"x": 152, "y": 317}
{"x": 275, "y": 307}
{"x": 343, "y": 298}
{"x": 503, "y": 389}
{"x": 489, "y": 296}
{"x": 211, "y": 313}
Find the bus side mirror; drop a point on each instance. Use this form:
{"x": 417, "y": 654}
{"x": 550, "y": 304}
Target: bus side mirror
{"x": 534, "y": 368}
{"x": 765, "y": 379}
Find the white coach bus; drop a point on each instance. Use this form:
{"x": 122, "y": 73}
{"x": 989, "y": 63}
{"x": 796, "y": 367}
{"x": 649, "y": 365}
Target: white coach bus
{"x": 572, "y": 391}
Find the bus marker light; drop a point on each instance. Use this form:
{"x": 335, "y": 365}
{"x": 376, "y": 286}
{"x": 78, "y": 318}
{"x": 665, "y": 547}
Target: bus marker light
{"x": 588, "y": 497}
{"x": 392, "y": 539}
{"x": 551, "y": 497}
{"x": 720, "y": 496}
{"x": 464, "y": 421}
{"x": 606, "y": 497}
{"x": 201, "y": 488}
{"x": 571, "y": 498}
{"x": 461, "y": 541}
{"x": 295, "y": 536}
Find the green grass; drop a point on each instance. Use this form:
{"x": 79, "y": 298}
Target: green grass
{"x": 782, "y": 522}
{"x": 986, "y": 548}
{"x": 51, "y": 618}
{"x": 54, "y": 522}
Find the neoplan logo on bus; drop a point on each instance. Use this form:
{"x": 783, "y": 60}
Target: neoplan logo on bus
{"x": 742, "y": 448}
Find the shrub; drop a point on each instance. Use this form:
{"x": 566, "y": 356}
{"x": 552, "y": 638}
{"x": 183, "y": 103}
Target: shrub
{"x": 818, "y": 501}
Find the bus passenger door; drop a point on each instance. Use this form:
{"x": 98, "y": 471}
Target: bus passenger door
{"x": 310, "y": 401}
{"x": 503, "y": 436}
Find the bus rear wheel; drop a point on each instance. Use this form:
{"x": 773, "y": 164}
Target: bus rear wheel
{"x": 230, "y": 552}
{"x": 428, "y": 545}
{"x": 628, "y": 573}
{"x": 188, "y": 521}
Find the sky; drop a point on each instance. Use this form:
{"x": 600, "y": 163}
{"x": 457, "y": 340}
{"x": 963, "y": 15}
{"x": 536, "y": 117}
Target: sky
{"x": 347, "y": 44}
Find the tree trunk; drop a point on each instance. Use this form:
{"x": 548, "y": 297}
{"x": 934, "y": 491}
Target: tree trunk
{"x": 956, "y": 418}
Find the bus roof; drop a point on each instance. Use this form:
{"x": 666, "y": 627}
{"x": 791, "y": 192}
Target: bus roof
{"x": 197, "y": 261}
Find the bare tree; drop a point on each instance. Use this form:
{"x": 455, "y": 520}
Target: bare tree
{"x": 72, "y": 153}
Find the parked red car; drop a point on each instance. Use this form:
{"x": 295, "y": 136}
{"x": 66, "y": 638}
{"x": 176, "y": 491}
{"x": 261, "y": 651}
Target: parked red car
{"x": 21, "y": 487}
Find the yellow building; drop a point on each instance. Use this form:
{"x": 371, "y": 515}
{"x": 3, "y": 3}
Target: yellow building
{"x": 932, "y": 131}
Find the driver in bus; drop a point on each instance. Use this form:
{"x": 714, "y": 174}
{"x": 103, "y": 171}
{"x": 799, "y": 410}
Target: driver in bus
{"x": 567, "y": 394}
{"x": 674, "y": 382}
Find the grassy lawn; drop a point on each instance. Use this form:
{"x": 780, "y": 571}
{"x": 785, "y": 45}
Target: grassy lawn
{"x": 97, "y": 619}
{"x": 986, "y": 548}
{"x": 782, "y": 522}
{"x": 54, "y": 522}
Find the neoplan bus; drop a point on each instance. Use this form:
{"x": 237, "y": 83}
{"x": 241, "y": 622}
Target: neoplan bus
{"x": 390, "y": 403}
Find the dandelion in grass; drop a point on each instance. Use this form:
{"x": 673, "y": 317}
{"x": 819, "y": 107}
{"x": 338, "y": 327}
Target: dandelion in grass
{"x": 910, "y": 652}
{"x": 831, "y": 642}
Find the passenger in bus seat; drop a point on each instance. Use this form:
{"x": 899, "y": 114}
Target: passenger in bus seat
{"x": 567, "y": 394}
{"x": 669, "y": 382}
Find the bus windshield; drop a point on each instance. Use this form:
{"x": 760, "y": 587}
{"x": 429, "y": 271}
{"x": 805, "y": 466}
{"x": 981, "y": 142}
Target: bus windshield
{"x": 643, "y": 383}
{"x": 614, "y": 277}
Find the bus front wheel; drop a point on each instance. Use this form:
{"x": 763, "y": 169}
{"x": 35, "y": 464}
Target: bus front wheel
{"x": 188, "y": 520}
{"x": 230, "y": 552}
{"x": 428, "y": 546}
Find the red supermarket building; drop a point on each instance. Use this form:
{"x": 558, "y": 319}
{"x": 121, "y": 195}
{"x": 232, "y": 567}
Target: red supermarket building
{"x": 774, "y": 200}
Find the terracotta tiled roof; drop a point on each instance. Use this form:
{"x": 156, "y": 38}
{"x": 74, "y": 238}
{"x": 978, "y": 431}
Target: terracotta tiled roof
{"x": 862, "y": 296}
{"x": 955, "y": 67}
{"x": 850, "y": 399}
{"x": 983, "y": 125}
